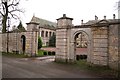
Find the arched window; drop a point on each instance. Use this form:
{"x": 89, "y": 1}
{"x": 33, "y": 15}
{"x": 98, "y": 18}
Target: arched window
{"x": 53, "y": 33}
{"x": 81, "y": 41}
{"x": 50, "y": 34}
{"x": 42, "y": 34}
{"x": 46, "y": 33}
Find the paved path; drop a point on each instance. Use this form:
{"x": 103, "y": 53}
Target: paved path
{"x": 79, "y": 51}
{"x": 41, "y": 68}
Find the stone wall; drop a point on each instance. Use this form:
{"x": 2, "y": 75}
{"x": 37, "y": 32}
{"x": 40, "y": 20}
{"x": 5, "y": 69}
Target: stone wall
{"x": 114, "y": 46}
{"x": 100, "y": 45}
{"x": 106, "y": 45}
{"x": 15, "y": 44}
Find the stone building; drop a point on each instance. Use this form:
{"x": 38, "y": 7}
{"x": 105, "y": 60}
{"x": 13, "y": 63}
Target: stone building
{"x": 46, "y": 29}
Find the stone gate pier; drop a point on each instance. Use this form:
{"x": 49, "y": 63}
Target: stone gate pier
{"x": 63, "y": 36}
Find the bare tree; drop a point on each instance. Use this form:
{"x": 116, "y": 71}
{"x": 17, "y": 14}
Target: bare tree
{"x": 8, "y": 8}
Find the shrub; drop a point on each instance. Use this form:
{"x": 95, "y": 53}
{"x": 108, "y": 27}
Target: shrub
{"x": 49, "y": 53}
{"x": 52, "y": 41}
{"x": 84, "y": 56}
{"x": 77, "y": 57}
{"x": 39, "y": 42}
{"x": 45, "y": 53}
{"x": 53, "y": 53}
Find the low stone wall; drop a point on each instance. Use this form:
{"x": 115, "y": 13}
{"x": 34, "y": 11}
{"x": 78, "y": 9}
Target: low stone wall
{"x": 14, "y": 42}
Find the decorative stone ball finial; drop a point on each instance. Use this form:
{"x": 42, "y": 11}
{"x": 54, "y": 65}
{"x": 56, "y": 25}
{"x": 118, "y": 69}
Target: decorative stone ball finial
{"x": 81, "y": 22}
{"x": 96, "y": 18}
{"x": 113, "y": 16}
{"x": 104, "y": 17}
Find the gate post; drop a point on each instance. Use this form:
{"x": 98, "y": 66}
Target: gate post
{"x": 64, "y": 25}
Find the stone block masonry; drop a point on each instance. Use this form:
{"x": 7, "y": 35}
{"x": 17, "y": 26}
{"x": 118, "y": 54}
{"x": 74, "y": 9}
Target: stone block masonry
{"x": 106, "y": 45}
{"x": 15, "y": 43}
{"x": 61, "y": 45}
{"x": 62, "y": 39}
{"x": 114, "y": 46}
{"x": 100, "y": 45}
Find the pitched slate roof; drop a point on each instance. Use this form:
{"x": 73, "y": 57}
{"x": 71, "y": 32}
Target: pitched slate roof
{"x": 43, "y": 23}
{"x": 90, "y": 22}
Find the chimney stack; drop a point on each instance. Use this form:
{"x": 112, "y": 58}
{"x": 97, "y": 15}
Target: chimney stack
{"x": 96, "y": 18}
{"x": 113, "y": 16}
{"x": 81, "y": 22}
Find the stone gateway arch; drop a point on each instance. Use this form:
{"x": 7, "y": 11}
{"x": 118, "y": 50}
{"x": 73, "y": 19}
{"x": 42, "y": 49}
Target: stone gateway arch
{"x": 102, "y": 40}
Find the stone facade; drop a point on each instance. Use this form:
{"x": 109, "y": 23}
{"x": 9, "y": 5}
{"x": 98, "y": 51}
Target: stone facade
{"x": 45, "y": 35}
{"x": 46, "y": 29}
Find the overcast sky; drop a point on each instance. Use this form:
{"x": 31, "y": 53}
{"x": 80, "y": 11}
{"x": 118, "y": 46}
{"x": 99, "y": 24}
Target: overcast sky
{"x": 77, "y": 9}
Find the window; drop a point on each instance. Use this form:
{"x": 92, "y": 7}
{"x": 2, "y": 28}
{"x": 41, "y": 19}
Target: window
{"x": 49, "y": 34}
{"x": 53, "y": 33}
{"x": 46, "y": 33}
{"x": 42, "y": 34}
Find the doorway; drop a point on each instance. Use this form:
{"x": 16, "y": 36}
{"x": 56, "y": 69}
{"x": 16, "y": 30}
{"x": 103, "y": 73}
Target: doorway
{"x": 81, "y": 45}
{"x": 23, "y": 41}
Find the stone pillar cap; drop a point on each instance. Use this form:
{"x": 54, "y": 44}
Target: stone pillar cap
{"x": 64, "y": 17}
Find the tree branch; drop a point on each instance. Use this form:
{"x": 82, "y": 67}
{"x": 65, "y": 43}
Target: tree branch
{"x": 15, "y": 10}
{"x": 3, "y": 8}
{"x": 14, "y": 16}
{"x": 14, "y": 4}
{"x": 1, "y": 13}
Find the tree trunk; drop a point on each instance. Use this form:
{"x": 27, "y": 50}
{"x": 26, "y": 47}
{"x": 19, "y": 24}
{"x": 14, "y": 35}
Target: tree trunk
{"x": 4, "y": 20}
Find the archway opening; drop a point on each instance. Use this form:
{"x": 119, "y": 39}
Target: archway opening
{"x": 23, "y": 41}
{"x": 81, "y": 45}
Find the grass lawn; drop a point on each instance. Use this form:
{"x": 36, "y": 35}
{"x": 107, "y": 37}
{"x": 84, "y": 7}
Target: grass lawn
{"x": 14, "y": 55}
{"x": 100, "y": 70}
{"x": 40, "y": 53}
